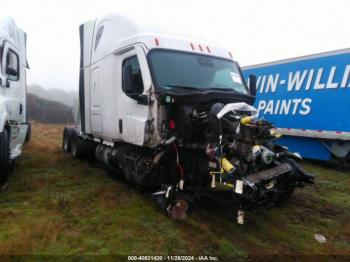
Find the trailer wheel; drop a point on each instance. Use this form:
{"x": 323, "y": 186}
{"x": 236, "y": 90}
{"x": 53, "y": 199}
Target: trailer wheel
{"x": 67, "y": 139}
{"x": 4, "y": 157}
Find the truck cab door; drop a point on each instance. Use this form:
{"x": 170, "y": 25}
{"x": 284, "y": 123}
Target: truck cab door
{"x": 95, "y": 102}
{"x": 133, "y": 109}
{"x": 13, "y": 83}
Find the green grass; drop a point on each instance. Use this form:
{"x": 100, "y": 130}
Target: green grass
{"x": 57, "y": 205}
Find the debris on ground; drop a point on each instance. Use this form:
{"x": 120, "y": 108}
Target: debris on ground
{"x": 320, "y": 238}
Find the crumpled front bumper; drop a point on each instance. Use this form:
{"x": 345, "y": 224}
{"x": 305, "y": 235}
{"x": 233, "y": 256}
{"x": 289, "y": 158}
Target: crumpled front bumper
{"x": 268, "y": 187}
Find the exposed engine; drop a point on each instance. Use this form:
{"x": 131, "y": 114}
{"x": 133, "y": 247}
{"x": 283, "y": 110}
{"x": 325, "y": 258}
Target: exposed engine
{"x": 210, "y": 145}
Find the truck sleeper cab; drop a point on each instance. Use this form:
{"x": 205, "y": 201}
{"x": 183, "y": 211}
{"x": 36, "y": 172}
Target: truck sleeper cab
{"x": 174, "y": 115}
{"x": 13, "y": 116}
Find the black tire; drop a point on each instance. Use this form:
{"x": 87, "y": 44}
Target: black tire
{"x": 90, "y": 149}
{"x": 74, "y": 147}
{"x": 4, "y": 156}
{"x": 68, "y": 133}
{"x": 82, "y": 148}
{"x": 29, "y": 133}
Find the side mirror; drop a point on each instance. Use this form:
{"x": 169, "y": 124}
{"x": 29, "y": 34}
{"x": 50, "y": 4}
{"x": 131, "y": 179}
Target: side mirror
{"x": 252, "y": 84}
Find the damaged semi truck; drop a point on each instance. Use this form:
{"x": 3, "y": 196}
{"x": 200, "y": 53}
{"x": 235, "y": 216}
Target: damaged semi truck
{"x": 175, "y": 115}
{"x": 14, "y": 129}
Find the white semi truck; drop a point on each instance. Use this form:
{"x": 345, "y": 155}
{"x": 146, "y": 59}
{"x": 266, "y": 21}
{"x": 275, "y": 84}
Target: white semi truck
{"x": 174, "y": 114}
{"x": 13, "y": 116}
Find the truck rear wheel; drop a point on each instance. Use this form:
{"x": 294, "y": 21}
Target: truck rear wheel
{"x": 75, "y": 147}
{"x": 4, "y": 157}
{"x": 67, "y": 139}
{"x": 81, "y": 148}
{"x": 29, "y": 133}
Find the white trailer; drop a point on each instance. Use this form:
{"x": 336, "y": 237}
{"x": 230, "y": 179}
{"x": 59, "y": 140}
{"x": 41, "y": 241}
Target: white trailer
{"x": 173, "y": 114}
{"x": 13, "y": 114}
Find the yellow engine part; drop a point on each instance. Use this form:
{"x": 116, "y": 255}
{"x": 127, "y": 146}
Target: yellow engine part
{"x": 275, "y": 133}
{"x": 246, "y": 120}
{"x": 227, "y": 166}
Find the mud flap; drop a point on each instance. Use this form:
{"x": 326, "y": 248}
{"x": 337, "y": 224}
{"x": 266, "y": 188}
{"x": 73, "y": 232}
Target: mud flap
{"x": 17, "y": 139}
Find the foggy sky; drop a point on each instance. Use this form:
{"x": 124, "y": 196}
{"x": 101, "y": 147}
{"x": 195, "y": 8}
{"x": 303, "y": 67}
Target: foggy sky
{"x": 255, "y": 31}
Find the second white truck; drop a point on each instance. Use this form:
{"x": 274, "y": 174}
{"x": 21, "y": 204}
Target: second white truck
{"x": 13, "y": 114}
{"x": 174, "y": 114}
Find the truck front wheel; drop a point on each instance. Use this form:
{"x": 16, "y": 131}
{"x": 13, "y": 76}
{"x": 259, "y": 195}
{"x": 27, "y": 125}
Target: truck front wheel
{"x": 4, "y": 157}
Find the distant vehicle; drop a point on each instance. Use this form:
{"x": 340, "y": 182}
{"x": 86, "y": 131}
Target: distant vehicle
{"x": 13, "y": 116}
{"x": 307, "y": 98}
{"x": 173, "y": 114}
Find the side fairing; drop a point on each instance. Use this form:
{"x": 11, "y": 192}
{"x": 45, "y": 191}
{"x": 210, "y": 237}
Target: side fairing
{"x": 86, "y": 32}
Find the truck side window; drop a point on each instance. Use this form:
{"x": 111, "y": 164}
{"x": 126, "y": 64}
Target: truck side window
{"x": 132, "y": 77}
{"x": 12, "y": 65}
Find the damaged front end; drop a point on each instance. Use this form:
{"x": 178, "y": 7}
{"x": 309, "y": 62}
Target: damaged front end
{"x": 227, "y": 147}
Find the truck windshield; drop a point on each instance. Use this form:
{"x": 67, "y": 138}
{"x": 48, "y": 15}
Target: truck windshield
{"x": 181, "y": 70}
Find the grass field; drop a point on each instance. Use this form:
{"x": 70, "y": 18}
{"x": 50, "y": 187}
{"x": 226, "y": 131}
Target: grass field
{"x": 58, "y": 205}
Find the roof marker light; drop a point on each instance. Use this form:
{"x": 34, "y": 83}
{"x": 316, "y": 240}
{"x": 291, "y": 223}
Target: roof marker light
{"x": 208, "y": 49}
{"x": 192, "y": 46}
{"x": 156, "y": 40}
{"x": 200, "y": 48}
